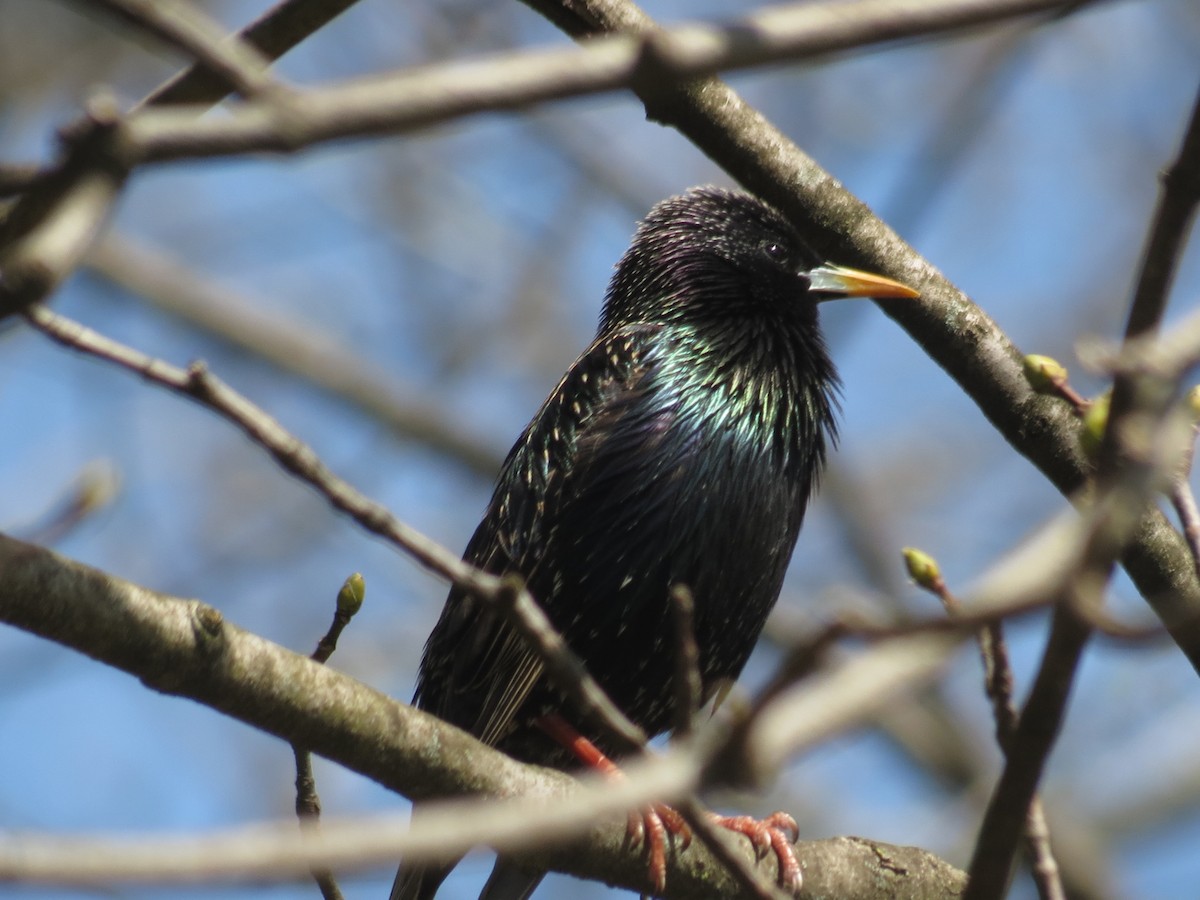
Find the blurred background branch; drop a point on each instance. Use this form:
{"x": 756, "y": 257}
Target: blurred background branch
{"x": 431, "y": 290}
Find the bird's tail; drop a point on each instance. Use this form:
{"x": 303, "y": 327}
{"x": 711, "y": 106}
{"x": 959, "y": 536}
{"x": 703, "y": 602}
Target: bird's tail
{"x": 507, "y": 882}
{"x": 419, "y": 882}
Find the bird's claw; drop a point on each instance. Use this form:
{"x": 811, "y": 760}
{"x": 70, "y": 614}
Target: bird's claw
{"x": 675, "y": 824}
{"x": 778, "y": 832}
{"x": 651, "y": 825}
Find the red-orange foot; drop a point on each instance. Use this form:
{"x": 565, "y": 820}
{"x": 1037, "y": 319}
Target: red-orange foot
{"x": 778, "y": 832}
{"x": 651, "y": 825}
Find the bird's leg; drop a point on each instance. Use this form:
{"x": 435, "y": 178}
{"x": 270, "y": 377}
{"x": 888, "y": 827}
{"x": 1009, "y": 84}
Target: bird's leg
{"x": 776, "y": 833}
{"x": 650, "y": 824}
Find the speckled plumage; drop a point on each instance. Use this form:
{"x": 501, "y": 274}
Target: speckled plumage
{"x": 680, "y": 448}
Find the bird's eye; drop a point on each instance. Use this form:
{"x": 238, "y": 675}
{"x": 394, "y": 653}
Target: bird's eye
{"x": 775, "y": 251}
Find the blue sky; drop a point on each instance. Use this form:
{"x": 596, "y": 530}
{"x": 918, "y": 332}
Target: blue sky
{"x": 468, "y": 264}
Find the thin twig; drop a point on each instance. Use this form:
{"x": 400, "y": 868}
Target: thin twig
{"x": 308, "y": 803}
{"x": 308, "y": 810}
{"x": 1168, "y": 231}
{"x": 272, "y": 34}
{"x": 998, "y": 685}
{"x": 93, "y": 489}
{"x": 296, "y": 457}
{"x": 565, "y": 669}
{"x": 652, "y": 61}
{"x": 287, "y": 342}
{"x": 1007, "y": 815}
{"x": 183, "y": 26}
{"x": 1130, "y": 473}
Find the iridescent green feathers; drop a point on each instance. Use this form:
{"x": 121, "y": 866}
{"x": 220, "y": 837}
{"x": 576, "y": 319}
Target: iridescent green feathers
{"x": 680, "y": 448}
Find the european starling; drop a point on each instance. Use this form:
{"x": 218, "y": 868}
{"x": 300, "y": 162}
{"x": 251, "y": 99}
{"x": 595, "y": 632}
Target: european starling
{"x": 680, "y": 449}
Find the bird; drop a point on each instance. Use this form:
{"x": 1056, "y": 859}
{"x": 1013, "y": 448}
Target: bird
{"x": 680, "y": 449}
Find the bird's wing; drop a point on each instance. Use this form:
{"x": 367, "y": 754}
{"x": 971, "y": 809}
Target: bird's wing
{"x": 582, "y": 463}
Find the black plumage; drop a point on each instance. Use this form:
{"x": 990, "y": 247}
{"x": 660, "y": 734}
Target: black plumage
{"x": 681, "y": 447}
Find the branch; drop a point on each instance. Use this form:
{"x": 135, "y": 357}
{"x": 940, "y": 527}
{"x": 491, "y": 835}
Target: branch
{"x": 293, "y": 346}
{"x": 650, "y": 62}
{"x": 507, "y": 592}
{"x": 185, "y": 648}
{"x": 42, "y": 243}
{"x": 273, "y": 34}
{"x": 1164, "y": 244}
{"x": 998, "y": 685}
{"x": 956, "y": 334}
{"x": 1147, "y": 443}
{"x": 236, "y": 63}
{"x": 44, "y": 236}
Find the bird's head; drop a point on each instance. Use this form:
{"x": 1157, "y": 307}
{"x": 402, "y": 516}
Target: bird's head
{"x": 712, "y": 253}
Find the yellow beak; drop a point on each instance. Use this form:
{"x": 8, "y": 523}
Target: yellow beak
{"x": 830, "y": 279}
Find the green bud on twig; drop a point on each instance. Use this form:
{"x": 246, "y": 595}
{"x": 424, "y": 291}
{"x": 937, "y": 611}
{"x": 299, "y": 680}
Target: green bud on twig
{"x": 1044, "y": 373}
{"x": 1095, "y": 421}
{"x": 350, "y": 597}
{"x": 922, "y": 568}
{"x": 1192, "y": 399}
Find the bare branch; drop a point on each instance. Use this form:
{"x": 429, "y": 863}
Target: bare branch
{"x": 38, "y": 251}
{"x": 291, "y": 345}
{"x": 299, "y": 459}
{"x": 1168, "y": 232}
{"x": 955, "y": 332}
{"x": 650, "y": 62}
{"x": 183, "y": 26}
{"x": 1146, "y": 443}
{"x": 185, "y": 648}
{"x": 308, "y": 803}
{"x": 274, "y": 33}
{"x": 998, "y": 685}
{"x": 62, "y": 208}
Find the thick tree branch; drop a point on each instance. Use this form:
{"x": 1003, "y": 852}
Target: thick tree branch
{"x": 186, "y": 648}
